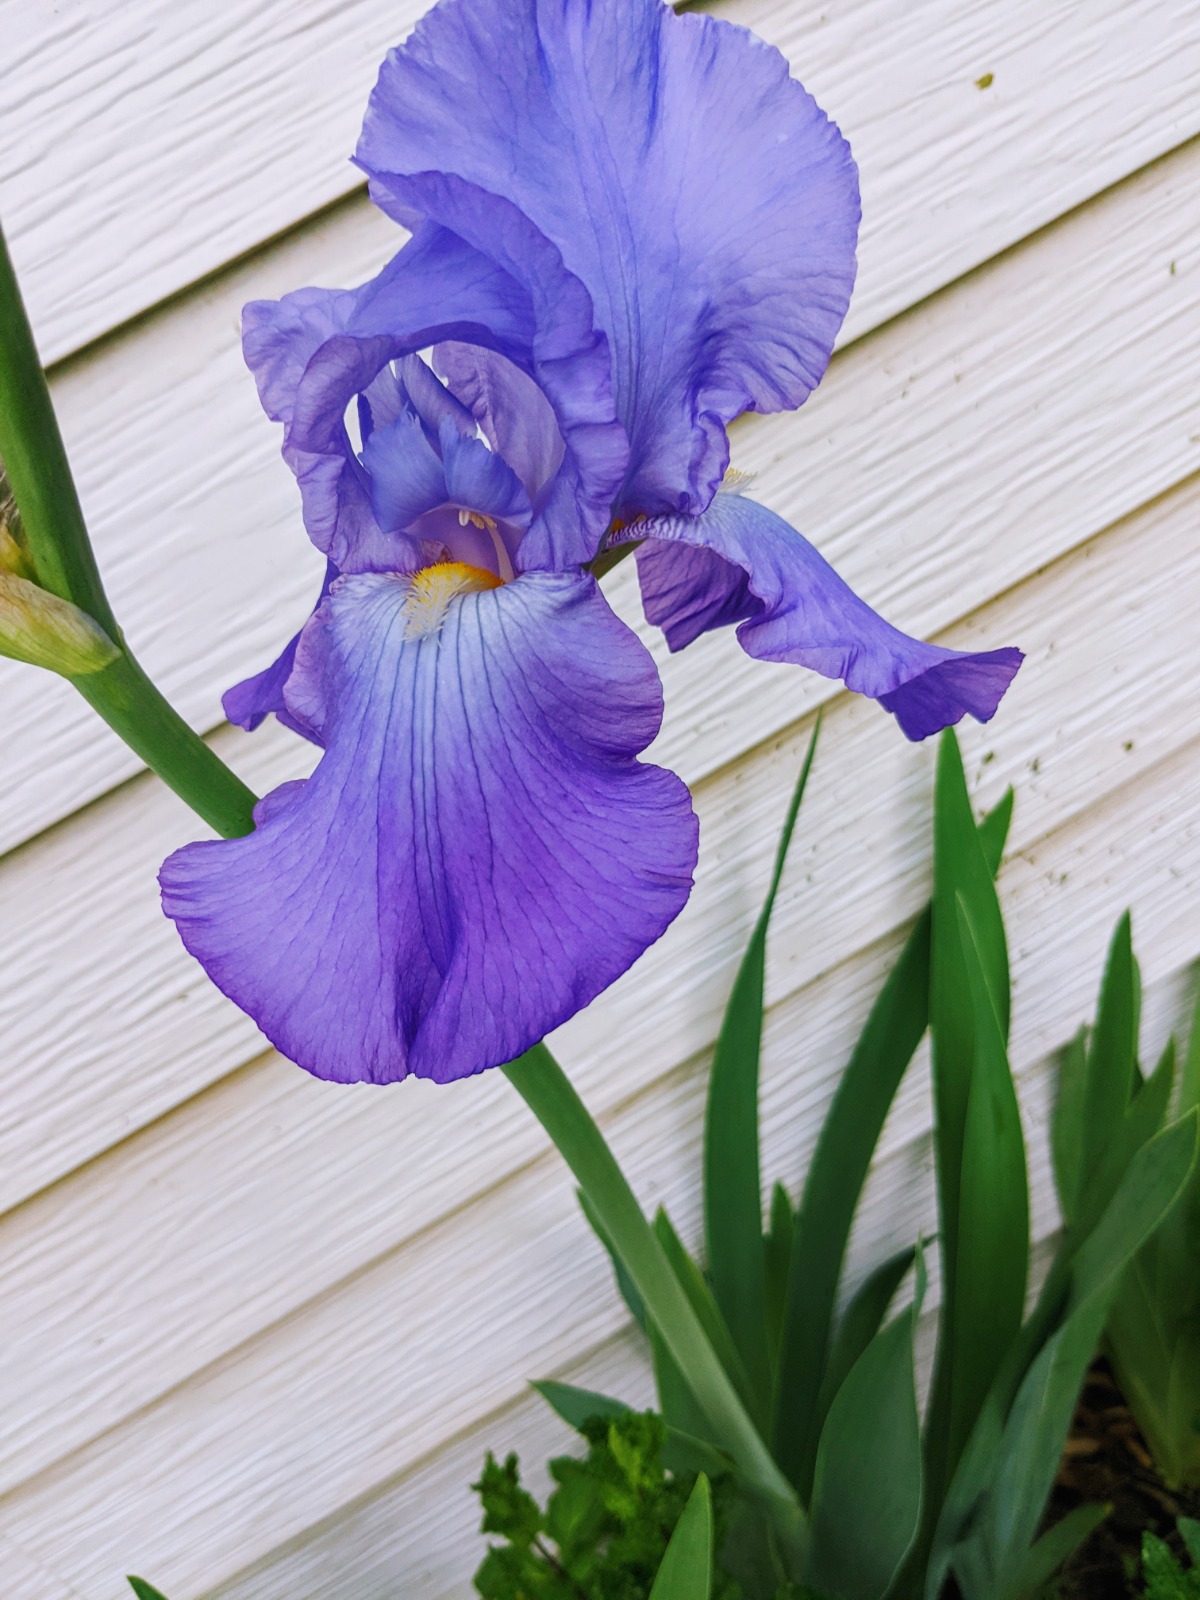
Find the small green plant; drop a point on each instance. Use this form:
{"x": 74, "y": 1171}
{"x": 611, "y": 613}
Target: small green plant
{"x": 1163, "y": 1576}
{"x": 618, "y": 1525}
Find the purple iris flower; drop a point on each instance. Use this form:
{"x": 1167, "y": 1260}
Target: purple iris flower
{"x": 627, "y": 228}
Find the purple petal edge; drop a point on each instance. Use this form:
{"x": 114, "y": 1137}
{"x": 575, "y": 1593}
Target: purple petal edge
{"x": 739, "y": 562}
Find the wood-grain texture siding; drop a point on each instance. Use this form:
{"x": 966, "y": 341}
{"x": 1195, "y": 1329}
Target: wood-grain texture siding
{"x": 256, "y": 1331}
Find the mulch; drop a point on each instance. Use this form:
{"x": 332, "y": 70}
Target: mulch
{"x": 1106, "y": 1461}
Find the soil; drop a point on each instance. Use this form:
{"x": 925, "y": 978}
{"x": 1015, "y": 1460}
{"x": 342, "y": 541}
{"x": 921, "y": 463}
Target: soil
{"x": 1106, "y": 1461}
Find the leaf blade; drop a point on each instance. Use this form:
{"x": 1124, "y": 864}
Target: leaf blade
{"x": 993, "y": 1219}
{"x": 686, "y": 1570}
{"x": 682, "y": 1452}
{"x": 838, "y": 1170}
{"x": 960, "y": 870}
{"x": 867, "y": 1487}
{"x": 733, "y": 1208}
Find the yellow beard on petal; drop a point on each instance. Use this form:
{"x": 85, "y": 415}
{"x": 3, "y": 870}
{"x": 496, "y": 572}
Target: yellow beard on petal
{"x": 431, "y": 590}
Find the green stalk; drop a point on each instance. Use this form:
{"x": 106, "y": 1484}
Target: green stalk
{"x": 133, "y": 708}
{"x": 544, "y": 1087}
{"x": 36, "y": 464}
{"x": 39, "y": 475}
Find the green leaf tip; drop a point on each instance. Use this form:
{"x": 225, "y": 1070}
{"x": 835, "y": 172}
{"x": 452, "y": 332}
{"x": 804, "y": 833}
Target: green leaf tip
{"x": 733, "y": 1208}
{"x": 144, "y": 1590}
{"x": 45, "y": 631}
{"x": 686, "y": 1571}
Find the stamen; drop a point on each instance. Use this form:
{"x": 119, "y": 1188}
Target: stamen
{"x": 476, "y": 520}
{"x": 431, "y": 590}
{"x": 735, "y": 480}
{"x": 503, "y": 559}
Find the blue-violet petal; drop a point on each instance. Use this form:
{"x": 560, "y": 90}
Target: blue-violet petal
{"x": 741, "y": 563}
{"x": 704, "y": 199}
{"x": 478, "y": 853}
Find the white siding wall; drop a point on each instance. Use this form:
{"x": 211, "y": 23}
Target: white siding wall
{"x": 256, "y": 1331}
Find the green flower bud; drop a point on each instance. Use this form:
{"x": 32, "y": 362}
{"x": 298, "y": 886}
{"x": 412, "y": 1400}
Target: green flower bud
{"x": 14, "y": 556}
{"x": 38, "y": 627}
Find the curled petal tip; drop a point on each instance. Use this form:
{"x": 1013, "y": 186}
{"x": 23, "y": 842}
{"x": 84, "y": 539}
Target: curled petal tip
{"x": 958, "y": 686}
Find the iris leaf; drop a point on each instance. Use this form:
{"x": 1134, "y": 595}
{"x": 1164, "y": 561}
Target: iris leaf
{"x": 1056, "y": 1545}
{"x": 577, "y": 1406}
{"x": 691, "y": 1281}
{"x": 835, "y": 1178}
{"x": 678, "y": 1404}
{"x": 1139, "y": 1120}
{"x": 625, "y": 1284}
{"x": 686, "y": 1571}
{"x": 1012, "y": 1452}
{"x": 777, "y": 1256}
{"x": 838, "y": 1171}
{"x": 960, "y": 871}
{"x": 867, "y": 1488}
{"x": 993, "y": 1216}
{"x": 860, "y": 1322}
{"x": 1189, "y": 1085}
{"x": 1066, "y": 1127}
{"x": 733, "y": 1219}
{"x": 1112, "y": 1055}
{"x": 144, "y": 1590}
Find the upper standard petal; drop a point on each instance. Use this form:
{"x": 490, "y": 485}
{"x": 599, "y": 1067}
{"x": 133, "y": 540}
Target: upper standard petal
{"x": 696, "y": 189}
{"x": 741, "y": 563}
{"x": 478, "y": 853}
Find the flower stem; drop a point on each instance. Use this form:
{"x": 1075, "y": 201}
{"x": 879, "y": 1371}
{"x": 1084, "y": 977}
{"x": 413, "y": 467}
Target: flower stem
{"x": 127, "y": 700}
{"x": 35, "y": 462}
{"x": 544, "y": 1087}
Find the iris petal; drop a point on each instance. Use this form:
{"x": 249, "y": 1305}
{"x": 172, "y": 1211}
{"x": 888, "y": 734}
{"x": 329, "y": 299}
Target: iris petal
{"x": 249, "y": 703}
{"x": 313, "y": 351}
{"x": 739, "y": 562}
{"x": 430, "y": 399}
{"x": 516, "y": 418}
{"x": 479, "y": 480}
{"x": 566, "y": 356}
{"x": 478, "y": 853}
{"x": 701, "y": 195}
{"x": 406, "y": 472}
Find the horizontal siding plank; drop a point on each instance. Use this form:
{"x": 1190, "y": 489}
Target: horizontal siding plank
{"x": 316, "y": 1181}
{"x": 173, "y": 457}
{"x": 175, "y": 138}
{"x": 364, "y": 1382}
{"x": 931, "y": 499}
{"x": 415, "y": 1539}
{"x": 26, "y": 1580}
